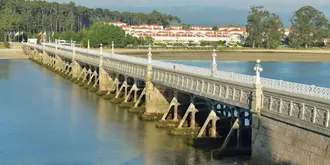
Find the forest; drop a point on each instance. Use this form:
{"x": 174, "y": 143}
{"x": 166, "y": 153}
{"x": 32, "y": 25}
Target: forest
{"x": 31, "y": 17}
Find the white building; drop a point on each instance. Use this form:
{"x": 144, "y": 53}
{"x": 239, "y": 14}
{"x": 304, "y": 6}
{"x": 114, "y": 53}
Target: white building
{"x": 179, "y": 34}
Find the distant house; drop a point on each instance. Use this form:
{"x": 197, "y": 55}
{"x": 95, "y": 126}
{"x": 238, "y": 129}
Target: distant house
{"x": 117, "y": 23}
{"x": 176, "y": 33}
{"x": 326, "y": 41}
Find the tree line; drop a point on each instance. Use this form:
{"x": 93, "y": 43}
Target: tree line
{"x": 265, "y": 30}
{"x": 35, "y": 16}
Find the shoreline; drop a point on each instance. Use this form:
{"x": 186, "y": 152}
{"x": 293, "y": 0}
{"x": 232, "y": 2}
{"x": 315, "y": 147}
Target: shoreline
{"x": 242, "y": 54}
{"x": 206, "y": 55}
{"x": 12, "y": 54}
{"x": 235, "y": 55}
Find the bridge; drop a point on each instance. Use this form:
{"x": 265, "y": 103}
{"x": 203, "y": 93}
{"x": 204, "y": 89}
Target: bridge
{"x": 276, "y": 121}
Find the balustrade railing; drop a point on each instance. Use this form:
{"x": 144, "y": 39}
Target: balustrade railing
{"x": 297, "y": 88}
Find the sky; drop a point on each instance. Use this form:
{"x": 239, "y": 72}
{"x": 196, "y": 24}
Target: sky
{"x": 208, "y": 12}
{"x": 276, "y": 5}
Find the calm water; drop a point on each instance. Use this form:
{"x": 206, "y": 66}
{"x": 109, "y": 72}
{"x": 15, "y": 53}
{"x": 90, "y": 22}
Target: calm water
{"x": 45, "y": 120}
{"x": 313, "y": 73}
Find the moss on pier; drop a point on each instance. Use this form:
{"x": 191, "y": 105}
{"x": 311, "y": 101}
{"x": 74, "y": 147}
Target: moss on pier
{"x": 167, "y": 124}
{"x": 101, "y": 93}
{"x": 185, "y": 131}
{"x": 87, "y": 86}
{"x": 151, "y": 116}
{"x": 92, "y": 89}
{"x": 126, "y": 105}
{"x": 109, "y": 96}
{"x": 117, "y": 100}
{"x": 137, "y": 109}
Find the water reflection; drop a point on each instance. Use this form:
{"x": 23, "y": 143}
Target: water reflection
{"x": 45, "y": 120}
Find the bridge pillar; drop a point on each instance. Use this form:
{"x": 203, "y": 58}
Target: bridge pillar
{"x": 155, "y": 101}
{"x": 256, "y": 106}
{"x": 76, "y": 69}
{"x": 105, "y": 81}
{"x": 59, "y": 64}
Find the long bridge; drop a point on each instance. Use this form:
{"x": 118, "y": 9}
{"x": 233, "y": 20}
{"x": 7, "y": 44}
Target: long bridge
{"x": 279, "y": 121}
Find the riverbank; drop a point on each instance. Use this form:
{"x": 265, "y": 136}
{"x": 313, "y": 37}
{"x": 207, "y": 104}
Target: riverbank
{"x": 232, "y": 55}
{"x": 14, "y": 53}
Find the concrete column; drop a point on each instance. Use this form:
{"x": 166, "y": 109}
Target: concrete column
{"x": 126, "y": 86}
{"x": 175, "y": 115}
{"x": 192, "y": 120}
{"x": 214, "y": 128}
{"x": 135, "y": 96}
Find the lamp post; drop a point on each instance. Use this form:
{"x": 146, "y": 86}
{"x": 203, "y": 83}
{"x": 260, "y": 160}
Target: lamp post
{"x": 214, "y": 62}
{"x": 101, "y": 55}
{"x": 112, "y": 48}
{"x": 88, "y": 45}
{"x": 149, "y": 55}
{"x": 258, "y": 68}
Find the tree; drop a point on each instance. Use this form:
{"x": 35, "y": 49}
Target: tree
{"x": 254, "y": 26}
{"x": 273, "y": 31}
{"x": 264, "y": 29}
{"x": 101, "y": 33}
{"x": 309, "y": 26}
{"x": 9, "y": 20}
{"x": 215, "y": 28}
{"x": 44, "y": 16}
{"x": 186, "y": 26}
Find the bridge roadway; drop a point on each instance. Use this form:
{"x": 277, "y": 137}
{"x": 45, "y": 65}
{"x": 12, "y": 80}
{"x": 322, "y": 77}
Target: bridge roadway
{"x": 291, "y": 106}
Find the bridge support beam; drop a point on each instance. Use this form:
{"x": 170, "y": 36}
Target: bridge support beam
{"x": 174, "y": 122}
{"x": 191, "y": 130}
{"x": 174, "y": 103}
{"x": 131, "y": 97}
{"x": 214, "y": 118}
{"x": 192, "y": 110}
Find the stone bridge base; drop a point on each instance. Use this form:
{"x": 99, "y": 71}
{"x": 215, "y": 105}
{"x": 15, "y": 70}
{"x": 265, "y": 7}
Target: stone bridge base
{"x": 276, "y": 142}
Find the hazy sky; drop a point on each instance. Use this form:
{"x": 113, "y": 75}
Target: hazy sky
{"x": 276, "y": 5}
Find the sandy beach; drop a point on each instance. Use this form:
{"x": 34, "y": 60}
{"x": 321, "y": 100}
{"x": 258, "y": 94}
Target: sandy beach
{"x": 14, "y": 53}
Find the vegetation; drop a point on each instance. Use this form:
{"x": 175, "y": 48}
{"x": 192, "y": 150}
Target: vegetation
{"x": 309, "y": 27}
{"x": 265, "y": 30}
{"x": 35, "y": 16}
{"x": 70, "y": 21}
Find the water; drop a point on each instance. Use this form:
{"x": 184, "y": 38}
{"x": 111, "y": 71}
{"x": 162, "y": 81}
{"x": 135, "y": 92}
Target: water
{"x": 312, "y": 73}
{"x": 46, "y": 120}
